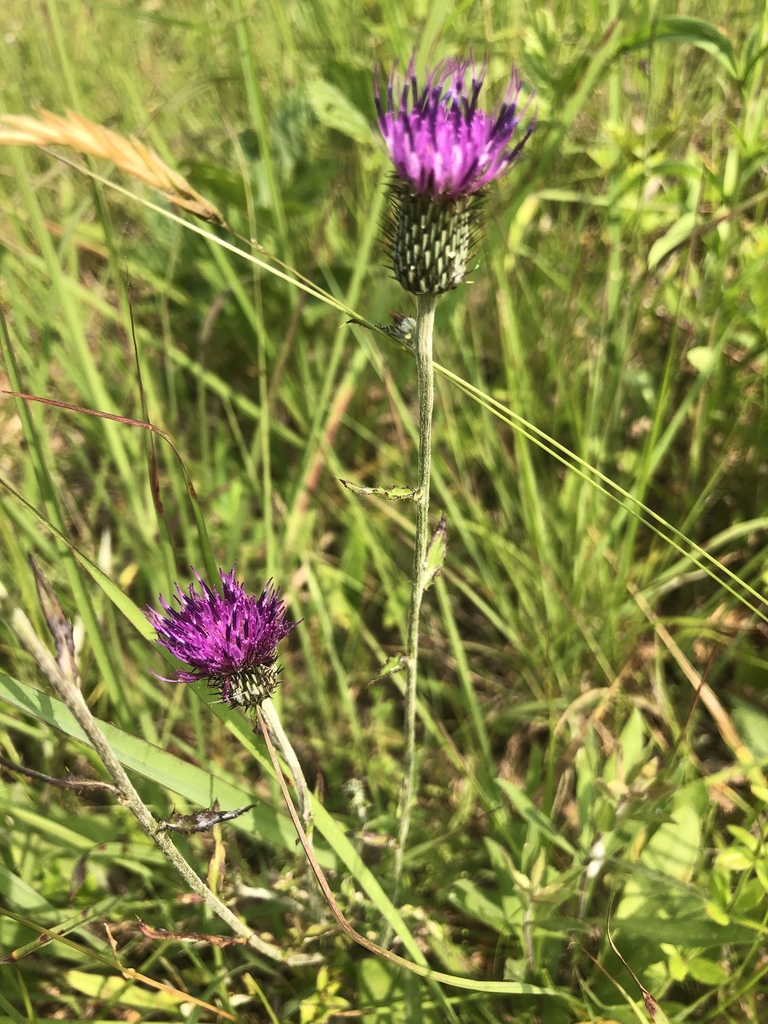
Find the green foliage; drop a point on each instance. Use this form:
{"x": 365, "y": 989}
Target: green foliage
{"x": 589, "y": 821}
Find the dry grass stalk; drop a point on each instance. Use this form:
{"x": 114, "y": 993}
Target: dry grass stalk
{"x": 129, "y": 154}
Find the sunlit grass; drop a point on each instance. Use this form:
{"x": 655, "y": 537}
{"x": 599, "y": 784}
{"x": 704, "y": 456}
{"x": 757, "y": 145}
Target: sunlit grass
{"x": 600, "y": 454}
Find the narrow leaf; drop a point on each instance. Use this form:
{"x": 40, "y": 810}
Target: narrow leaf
{"x": 393, "y": 493}
{"x": 683, "y": 29}
{"x": 436, "y": 552}
{"x": 394, "y": 664}
{"x": 679, "y": 233}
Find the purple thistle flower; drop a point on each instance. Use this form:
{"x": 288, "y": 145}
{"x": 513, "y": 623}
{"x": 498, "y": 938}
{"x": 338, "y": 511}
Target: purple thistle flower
{"x": 230, "y": 637}
{"x": 444, "y": 150}
{"x": 444, "y": 146}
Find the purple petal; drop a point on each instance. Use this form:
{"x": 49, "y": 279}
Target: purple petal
{"x": 441, "y": 144}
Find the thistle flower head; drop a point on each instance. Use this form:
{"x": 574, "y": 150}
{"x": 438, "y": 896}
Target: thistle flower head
{"x": 444, "y": 149}
{"x": 229, "y": 638}
{"x": 442, "y": 145}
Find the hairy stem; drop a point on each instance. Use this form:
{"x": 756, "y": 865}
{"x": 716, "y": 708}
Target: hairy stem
{"x": 283, "y": 744}
{"x": 425, "y": 376}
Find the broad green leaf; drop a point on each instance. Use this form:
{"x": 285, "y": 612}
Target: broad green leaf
{"x": 18, "y": 894}
{"x": 752, "y": 723}
{"x": 379, "y": 981}
{"x": 125, "y": 993}
{"x": 684, "y": 29}
{"x": 479, "y": 905}
{"x": 674, "y": 848}
{"x": 702, "y": 358}
{"x": 334, "y": 110}
{"x": 735, "y": 859}
{"x": 718, "y": 915}
{"x": 707, "y": 971}
{"x": 620, "y": 764}
{"x": 692, "y": 931}
{"x": 679, "y": 233}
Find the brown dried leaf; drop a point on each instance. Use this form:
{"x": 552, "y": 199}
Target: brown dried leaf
{"x": 163, "y": 935}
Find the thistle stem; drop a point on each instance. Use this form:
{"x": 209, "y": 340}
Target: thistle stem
{"x": 283, "y": 744}
{"x": 425, "y": 376}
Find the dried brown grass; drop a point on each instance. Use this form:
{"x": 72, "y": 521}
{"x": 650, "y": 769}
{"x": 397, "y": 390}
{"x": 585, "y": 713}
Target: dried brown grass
{"x": 128, "y": 154}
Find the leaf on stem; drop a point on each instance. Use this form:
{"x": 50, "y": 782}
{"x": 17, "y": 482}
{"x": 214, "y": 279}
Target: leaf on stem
{"x": 394, "y": 664}
{"x": 436, "y": 552}
{"x": 393, "y": 493}
{"x": 402, "y": 330}
{"x": 200, "y": 821}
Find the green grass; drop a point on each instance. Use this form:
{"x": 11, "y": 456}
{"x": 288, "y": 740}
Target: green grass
{"x": 601, "y": 443}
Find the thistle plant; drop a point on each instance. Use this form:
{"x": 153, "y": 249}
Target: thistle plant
{"x": 62, "y": 673}
{"x": 445, "y": 151}
{"x": 230, "y": 638}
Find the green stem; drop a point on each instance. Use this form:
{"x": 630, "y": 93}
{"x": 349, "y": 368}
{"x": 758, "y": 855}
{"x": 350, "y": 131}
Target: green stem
{"x": 426, "y": 386}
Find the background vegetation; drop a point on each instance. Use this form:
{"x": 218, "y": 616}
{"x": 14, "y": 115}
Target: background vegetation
{"x": 574, "y": 772}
